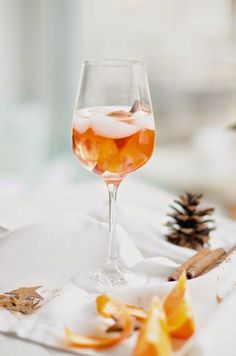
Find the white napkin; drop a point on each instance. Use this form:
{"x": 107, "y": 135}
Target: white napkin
{"x": 50, "y": 252}
{"x": 141, "y": 212}
{"x": 11, "y": 346}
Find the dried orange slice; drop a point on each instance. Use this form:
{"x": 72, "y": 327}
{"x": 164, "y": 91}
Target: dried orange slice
{"x": 154, "y": 338}
{"x": 178, "y": 311}
{"x": 94, "y": 342}
{"x": 107, "y": 308}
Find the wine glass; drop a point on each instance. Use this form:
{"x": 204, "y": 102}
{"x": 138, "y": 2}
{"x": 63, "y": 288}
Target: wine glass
{"x": 113, "y": 134}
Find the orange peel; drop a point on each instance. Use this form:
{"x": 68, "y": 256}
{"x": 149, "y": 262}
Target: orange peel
{"x": 94, "y": 342}
{"x": 178, "y": 310}
{"x": 153, "y": 339}
{"x": 108, "y": 309}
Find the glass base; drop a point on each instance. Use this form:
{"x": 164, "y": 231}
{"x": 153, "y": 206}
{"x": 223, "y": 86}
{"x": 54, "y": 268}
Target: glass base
{"x": 103, "y": 279}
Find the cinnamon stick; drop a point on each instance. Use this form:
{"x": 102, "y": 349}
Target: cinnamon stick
{"x": 221, "y": 259}
{"x": 200, "y": 266}
{"x": 187, "y": 264}
{"x": 233, "y": 249}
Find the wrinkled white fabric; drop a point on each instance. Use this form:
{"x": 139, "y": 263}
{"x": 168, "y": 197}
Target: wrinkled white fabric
{"x": 55, "y": 244}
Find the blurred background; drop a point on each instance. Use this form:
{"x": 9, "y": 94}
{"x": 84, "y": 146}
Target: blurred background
{"x": 189, "y": 48}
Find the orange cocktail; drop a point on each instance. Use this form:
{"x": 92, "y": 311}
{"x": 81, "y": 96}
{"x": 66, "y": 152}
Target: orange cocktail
{"x": 111, "y": 141}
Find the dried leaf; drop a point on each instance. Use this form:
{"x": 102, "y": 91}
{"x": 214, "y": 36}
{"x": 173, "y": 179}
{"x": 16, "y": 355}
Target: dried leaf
{"x": 23, "y": 300}
{"x": 26, "y": 293}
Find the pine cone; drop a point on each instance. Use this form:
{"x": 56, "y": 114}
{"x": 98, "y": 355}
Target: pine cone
{"x": 189, "y": 226}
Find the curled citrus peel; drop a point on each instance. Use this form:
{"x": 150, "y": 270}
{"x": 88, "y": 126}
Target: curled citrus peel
{"x": 178, "y": 311}
{"x": 108, "y": 309}
{"x": 153, "y": 339}
{"x": 174, "y": 319}
{"x": 94, "y": 342}
{"x": 138, "y": 312}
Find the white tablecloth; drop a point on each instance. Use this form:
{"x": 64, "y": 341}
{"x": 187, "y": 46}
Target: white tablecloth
{"x": 91, "y": 198}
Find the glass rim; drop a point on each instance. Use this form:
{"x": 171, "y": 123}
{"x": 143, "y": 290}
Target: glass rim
{"x": 113, "y": 62}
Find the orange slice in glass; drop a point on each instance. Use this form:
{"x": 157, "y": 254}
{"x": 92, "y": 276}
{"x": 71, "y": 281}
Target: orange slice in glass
{"x": 132, "y": 155}
{"x": 107, "y": 308}
{"x": 178, "y": 311}
{"x": 94, "y": 342}
{"x": 153, "y": 339}
{"x": 87, "y": 145}
{"x": 108, "y": 157}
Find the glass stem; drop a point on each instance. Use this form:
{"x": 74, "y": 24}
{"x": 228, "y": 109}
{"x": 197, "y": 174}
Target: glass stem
{"x": 112, "y": 246}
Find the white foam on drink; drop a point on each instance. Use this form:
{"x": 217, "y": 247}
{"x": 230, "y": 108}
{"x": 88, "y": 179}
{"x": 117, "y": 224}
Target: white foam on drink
{"x": 110, "y": 126}
{"x": 144, "y": 120}
{"x": 81, "y": 120}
